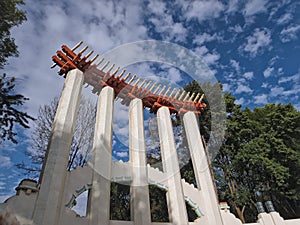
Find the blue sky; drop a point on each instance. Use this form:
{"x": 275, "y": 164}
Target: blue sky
{"x": 252, "y": 47}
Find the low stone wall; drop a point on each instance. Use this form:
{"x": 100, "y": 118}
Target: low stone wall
{"x": 272, "y": 218}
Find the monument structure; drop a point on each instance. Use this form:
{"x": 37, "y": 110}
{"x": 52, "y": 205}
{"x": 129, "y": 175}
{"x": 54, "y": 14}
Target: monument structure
{"x": 50, "y": 200}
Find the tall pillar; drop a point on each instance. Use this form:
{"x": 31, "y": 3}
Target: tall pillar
{"x": 175, "y": 196}
{"x": 49, "y": 200}
{"x": 201, "y": 168}
{"x": 99, "y": 199}
{"x": 140, "y": 203}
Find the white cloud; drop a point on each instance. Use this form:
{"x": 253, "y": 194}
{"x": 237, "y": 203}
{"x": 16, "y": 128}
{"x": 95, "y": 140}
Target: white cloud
{"x": 232, "y": 6}
{"x": 168, "y": 28}
{"x": 285, "y": 18}
{"x": 236, "y": 28}
{"x": 240, "y": 101}
{"x": 121, "y": 123}
{"x": 253, "y": 7}
{"x": 276, "y": 91}
{"x": 268, "y": 71}
{"x": 261, "y": 99}
{"x": 166, "y": 73}
{"x": 205, "y": 37}
{"x": 201, "y": 10}
{"x": 236, "y": 65}
{"x": 174, "y": 75}
{"x": 210, "y": 58}
{"x": 243, "y": 89}
{"x": 201, "y": 50}
{"x": 5, "y": 161}
{"x": 249, "y": 75}
{"x": 226, "y": 87}
{"x": 295, "y": 90}
{"x": 297, "y": 106}
{"x": 163, "y": 22}
{"x": 294, "y": 78}
{"x": 273, "y": 60}
{"x": 265, "y": 85}
{"x": 289, "y": 33}
{"x": 2, "y": 185}
{"x": 101, "y": 24}
{"x": 276, "y": 6}
{"x": 157, "y": 7}
{"x": 260, "y": 39}
{"x": 121, "y": 154}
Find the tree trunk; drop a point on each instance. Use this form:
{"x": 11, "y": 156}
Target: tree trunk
{"x": 240, "y": 212}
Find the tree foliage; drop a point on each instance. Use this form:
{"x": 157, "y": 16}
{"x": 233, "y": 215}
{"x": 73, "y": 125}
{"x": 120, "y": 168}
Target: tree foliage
{"x": 10, "y": 115}
{"x": 119, "y": 201}
{"x": 10, "y": 16}
{"x": 258, "y": 159}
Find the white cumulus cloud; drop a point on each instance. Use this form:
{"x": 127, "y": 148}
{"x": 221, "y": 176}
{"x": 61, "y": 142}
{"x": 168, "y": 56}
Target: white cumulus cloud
{"x": 202, "y": 9}
{"x": 249, "y": 75}
{"x": 268, "y": 71}
{"x": 255, "y": 6}
{"x": 285, "y": 18}
{"x": 5, "y": 161}
{"x": 205, "y": 37}
{"x": 294, "y": 78}
{"x": 261, "y": 99}
{"x": 258, "y": 41}
{"x": 243, "y": 89}
{"x": 208, "y": 57}
{"x": 290, "y": 33}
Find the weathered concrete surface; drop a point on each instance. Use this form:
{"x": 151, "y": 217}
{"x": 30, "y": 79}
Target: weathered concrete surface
{"x": 175, "y": 197}
{"x": 21, "y": 205}
{"x": 201, "y": 169}
{"x": 140, "y": 203}
{"x": 49, "y": 201}
{"x": 58, "y": 185}
{"x": 277, "y": 219}
{"x": 99, "y": 202}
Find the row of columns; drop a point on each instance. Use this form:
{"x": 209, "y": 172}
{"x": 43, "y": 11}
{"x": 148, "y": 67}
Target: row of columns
{"x": 49, "y": 202}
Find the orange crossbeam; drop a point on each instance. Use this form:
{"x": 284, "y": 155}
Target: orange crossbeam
{"x": 68, "y": 60}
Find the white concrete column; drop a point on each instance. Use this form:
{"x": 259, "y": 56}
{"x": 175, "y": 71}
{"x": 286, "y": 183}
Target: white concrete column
{"x": 175, "y": 196}
{"x": 140, "y": 203}
{"x": 99, "y": 199}
{"x": 201, "y": 168}
{"x": 49, "y": 200}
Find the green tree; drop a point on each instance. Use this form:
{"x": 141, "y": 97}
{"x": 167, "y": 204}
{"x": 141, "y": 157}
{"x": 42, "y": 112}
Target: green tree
{"x": 259, "y": 156}
{"x": 259, "y": 160}
{"x": 10, "y": 16}
{"x": 10, "y": 115}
